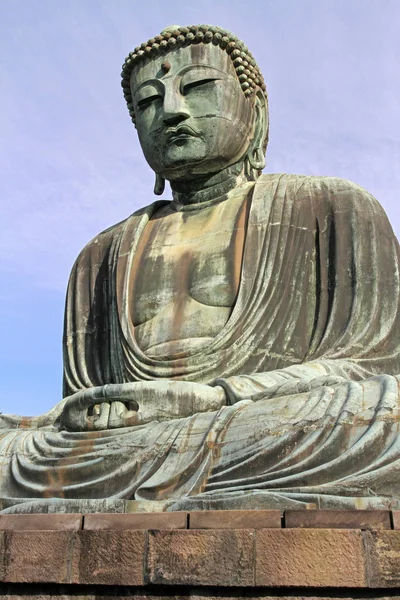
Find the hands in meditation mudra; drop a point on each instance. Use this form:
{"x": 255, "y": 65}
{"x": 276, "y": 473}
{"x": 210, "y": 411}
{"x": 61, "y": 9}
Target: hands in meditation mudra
{"x": 113, "y": 406}
{"x": 236, "y": 347}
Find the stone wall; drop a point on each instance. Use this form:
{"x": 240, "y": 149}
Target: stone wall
{"x": 212, "y": 554}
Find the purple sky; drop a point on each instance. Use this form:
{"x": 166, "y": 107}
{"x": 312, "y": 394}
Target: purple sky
{"x": 71, "y": 165}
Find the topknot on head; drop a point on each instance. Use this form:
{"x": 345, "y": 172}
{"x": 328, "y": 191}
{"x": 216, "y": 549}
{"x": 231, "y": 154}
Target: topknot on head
{"x": 175, "y": 36}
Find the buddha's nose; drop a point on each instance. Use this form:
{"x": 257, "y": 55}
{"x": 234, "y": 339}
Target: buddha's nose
{"x": 175, "y": 109}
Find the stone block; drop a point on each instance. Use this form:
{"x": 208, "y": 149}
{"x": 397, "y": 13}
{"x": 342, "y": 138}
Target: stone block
{"x": 161, "y": 520}
{"x": 109, "y": 558}
{"x": 201, "y": 557}
{"x": 42, "y": 522}
{"x": 310, "y": 558}
{"x": 338, "y": 519}
{"x": 396, "y": 519}
{"x": 384, "y": 558}
{"x": 38, "y": 556}
{"x": 235, "y": 519}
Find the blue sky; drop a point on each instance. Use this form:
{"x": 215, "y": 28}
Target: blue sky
{"x": 70, "y": 163}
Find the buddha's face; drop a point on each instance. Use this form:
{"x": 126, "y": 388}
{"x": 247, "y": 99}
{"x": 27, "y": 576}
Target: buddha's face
{"x": 191, "y": 114}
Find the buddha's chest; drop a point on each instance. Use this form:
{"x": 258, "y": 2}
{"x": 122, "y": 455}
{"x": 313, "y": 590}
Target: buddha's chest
{"x": 189, "y": 256}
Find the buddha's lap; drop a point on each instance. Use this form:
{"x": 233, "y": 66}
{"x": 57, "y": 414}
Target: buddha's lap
{"x": 357, "y": 405}
{"x": 344, "y": 437}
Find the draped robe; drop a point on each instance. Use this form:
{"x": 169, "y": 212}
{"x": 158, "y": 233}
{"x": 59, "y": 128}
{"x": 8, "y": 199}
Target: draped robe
{"x": 309, "y": 360}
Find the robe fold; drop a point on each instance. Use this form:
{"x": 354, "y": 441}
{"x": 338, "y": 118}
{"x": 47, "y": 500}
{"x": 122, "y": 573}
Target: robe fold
{"x": 309, "y": 360}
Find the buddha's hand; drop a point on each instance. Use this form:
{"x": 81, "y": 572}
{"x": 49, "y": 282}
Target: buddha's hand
{"x": 127, "y": 404}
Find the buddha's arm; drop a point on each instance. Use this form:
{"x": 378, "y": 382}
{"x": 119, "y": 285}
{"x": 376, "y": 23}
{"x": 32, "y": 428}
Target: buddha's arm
{"x": 132, "y": 404}
{"x": 123, "y": 405}
{"x": 291, "y": 380}
{"x": 127, "y": 404}
{"x": 354, "y": 330}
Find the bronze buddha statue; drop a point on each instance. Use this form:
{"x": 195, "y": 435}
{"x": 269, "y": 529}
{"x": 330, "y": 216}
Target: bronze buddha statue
{"x": 236, "y": 347}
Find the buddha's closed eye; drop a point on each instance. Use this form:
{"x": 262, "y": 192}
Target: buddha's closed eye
{"x": 201, "y": 83}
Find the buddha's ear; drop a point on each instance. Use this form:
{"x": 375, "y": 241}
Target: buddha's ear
{"x": 159, "y": 185}
{"x": 256, "y": 152}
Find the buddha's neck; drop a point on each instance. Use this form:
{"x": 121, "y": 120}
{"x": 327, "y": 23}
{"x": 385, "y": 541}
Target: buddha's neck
{"x": 207, "y": 189}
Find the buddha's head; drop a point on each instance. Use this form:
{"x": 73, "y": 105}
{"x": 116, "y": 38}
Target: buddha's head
{"x": 198, "y": 101}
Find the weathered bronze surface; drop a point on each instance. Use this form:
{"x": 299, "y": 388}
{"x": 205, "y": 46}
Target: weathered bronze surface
{"x": 237, "y": 347}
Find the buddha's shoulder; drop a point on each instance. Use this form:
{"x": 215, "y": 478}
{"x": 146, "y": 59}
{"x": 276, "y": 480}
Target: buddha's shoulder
{"x": 101, "y": 245}
{"x": 98, "y": 248}
{"x": 314, "y": 187}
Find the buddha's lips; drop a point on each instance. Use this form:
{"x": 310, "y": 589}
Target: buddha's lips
{"x": 174, "y": 133}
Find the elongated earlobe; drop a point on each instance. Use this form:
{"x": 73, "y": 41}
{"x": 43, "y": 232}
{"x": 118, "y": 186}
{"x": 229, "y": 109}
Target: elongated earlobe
{"x": 159, "y": 185}
{"x": 256, "y": 158}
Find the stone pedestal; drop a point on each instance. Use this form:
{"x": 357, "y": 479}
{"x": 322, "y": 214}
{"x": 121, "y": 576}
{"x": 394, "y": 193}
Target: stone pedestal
{"x": 213, "y": 554}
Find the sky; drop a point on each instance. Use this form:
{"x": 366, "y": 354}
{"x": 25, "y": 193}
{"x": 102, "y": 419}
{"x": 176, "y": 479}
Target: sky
{"x": 71, "y": 164}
